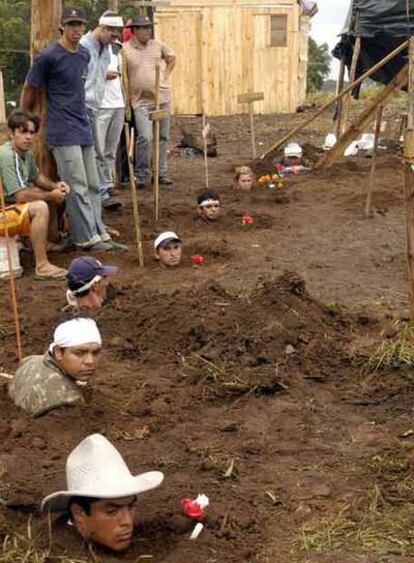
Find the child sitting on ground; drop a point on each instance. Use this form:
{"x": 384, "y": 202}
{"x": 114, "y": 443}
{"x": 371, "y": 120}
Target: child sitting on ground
{"x": 243, "y": 179}
{"x": 208, "y": 207}
{"x": 168, "y": 249}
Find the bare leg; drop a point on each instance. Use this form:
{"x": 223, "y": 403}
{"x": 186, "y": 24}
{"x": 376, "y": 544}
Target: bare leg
{"x": 39, "y": 223}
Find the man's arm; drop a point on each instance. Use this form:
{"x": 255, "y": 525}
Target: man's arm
{"x": 30, "y": 96}
{"x": 170, "y": 64}
{"x": 27, "y": 195}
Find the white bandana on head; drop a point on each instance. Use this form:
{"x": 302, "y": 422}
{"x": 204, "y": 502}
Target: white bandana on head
{"x": 75, "y": 333}
{"x": 209, "y": 202}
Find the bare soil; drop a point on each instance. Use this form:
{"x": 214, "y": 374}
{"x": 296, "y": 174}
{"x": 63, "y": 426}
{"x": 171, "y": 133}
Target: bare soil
{"x": 254, "y": 359}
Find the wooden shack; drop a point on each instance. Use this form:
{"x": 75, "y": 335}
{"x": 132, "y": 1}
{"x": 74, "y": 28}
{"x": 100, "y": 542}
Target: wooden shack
{"x": 228, "y": 47}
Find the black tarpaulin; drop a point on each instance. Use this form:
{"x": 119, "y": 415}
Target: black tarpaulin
{"x": 376, "y": 17}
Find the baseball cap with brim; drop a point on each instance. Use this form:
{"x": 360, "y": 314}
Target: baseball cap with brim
{"x": 165, "y": 238}
{"x": 73, "y": 14}
{"x": 96, "y": 469}
{"x": 85, "y": 268}
{"x": 140, "y": 21}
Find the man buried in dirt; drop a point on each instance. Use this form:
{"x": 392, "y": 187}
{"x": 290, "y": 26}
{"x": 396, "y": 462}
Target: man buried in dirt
{"x": 168, "y": 249}
{"x": 208, "y": 207}
{"x": 100, "y": 503}
{"x": 55, "y": 379}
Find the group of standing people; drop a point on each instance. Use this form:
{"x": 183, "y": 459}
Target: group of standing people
{"x": 91, "y": 82}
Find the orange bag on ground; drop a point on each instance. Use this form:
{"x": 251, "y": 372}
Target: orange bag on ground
{"x": 16, "y": 218}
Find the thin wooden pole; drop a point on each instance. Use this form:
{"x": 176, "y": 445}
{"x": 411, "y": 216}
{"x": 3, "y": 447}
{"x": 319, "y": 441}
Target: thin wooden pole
{"x": 367, "y": 116}
{"x": 374, "y": 162}
{"x": 156, "y": 145}
{"x": 252, "y": 129}
{"x": 339, "y": 88}
{"x": 205, "y": 149}
{"x": 112, "y": 5}
{"x": 2, "y": 100}
{"x": 358, "y": 81}
{"x": 348, "y": 98}
{"x": 409, "y": 178}
{"x": 129, "y": 141}
{"x": 11, "y": 276}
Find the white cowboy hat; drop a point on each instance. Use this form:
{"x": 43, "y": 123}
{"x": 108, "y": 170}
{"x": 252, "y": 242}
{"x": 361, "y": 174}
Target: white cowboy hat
{"x": 96, "y": 469}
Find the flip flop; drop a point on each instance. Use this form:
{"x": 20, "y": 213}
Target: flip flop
{"x": 50, "y": 277}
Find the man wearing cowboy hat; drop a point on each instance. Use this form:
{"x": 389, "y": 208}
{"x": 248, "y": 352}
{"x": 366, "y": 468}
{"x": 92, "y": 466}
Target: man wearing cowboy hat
{"x": 141, "y": 55}
{"x": 56, "y": 379}
{"x": 101, "y": 497}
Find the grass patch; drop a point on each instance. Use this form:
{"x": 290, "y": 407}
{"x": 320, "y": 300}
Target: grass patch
{"x": 396, "y": 352}
{"x": 381, "y": 530}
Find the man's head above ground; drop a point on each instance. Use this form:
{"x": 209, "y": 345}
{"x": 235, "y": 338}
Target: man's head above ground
{"x": 168, "y": 248}
{"x": 87, "y": 282}
{"x": 243, "y": 178}
{"x": 76, "y": 348}
{"x": 101, "y": 495}
{"x": 209, "y": 205}
{"x": 23, "y": 127}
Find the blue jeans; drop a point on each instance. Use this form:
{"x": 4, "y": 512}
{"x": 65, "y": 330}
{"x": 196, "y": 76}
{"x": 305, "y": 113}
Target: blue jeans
{"x": 77, "y": 167}
{"x": 106, "y": 124}
{"x": 143, "y": 153}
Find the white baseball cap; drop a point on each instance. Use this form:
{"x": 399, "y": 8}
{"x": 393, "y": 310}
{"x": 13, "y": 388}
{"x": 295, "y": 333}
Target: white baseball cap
{"x": 293, "y": 149}
{"x": 96, "y": 469}
{"x": 166, "y": 236}
{"x": 111, "y": 21}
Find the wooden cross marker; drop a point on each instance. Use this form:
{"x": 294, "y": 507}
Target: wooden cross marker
{"x": 250, "y": 98}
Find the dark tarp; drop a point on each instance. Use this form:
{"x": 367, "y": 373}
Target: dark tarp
{"x": 375, "y": 17}
{"x": 382, "y": 26}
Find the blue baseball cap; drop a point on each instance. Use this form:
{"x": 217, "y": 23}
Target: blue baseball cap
{"x": 82, "y": 270}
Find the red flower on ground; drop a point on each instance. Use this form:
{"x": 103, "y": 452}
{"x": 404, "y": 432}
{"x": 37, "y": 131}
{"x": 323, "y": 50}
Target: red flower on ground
{"x": 192, "y": 509}
{"x": 247, "y": 219}
{"x": 197, "y": 259}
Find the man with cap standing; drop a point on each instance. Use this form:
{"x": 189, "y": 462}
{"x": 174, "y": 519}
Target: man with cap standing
{"x": 55, "y": 379}
{"x": 141, "y": 55}
{"x": 61, "y": 70}
{"x": 98, "y": 43}
{"x": 168, "y": 249}
{"x": 101, "y": 499}
{"x": 87, "y": 284}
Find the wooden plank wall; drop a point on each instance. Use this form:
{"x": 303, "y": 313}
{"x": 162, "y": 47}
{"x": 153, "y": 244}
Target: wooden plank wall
{"x": 223, "y": 51}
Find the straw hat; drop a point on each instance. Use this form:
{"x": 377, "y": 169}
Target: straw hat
{"x": 95, "y": 468}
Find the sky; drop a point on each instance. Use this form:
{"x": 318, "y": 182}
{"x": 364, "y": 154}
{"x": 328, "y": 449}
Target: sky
{"x": 327, "y": 23}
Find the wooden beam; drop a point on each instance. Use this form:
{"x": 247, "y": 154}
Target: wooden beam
{"x": 339, "y": 89}
{"x": 358, "y": 81}
{"x": 159, "y": 114}
{"x": 409, "y": 178}
{"x": 112, "y": 5}
{"x": 156, "y": 143}
{"x": 398, "y": 82}
{"x": 250, "y": 97}
{"x": 346, "y": 102}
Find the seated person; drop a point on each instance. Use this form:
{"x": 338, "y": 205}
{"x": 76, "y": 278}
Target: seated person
{"x": 53, "y": 380}
{"x": 101, "y": 500}
{"x": 28, "y": 191}
{"x": 243, "y": 178}
{"x": 208, "y": 207}
{"x": 168, "y": 249}
{"x": 87, "y": 284}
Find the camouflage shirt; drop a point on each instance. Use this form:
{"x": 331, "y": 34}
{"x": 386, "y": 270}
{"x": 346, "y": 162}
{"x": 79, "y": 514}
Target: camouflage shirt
{"x": 41, "y": 385}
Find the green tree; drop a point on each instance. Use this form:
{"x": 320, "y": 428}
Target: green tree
{"x": 319, "y": 65}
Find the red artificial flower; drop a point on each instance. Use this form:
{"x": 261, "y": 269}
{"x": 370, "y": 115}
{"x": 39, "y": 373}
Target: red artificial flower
{"x": 197, "y": 259}
{"x": 247, "y": 219}
{"x": 192, "y": 509}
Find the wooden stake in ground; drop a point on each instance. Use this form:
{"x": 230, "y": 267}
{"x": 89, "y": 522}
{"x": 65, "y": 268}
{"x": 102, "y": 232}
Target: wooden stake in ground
{"x": 398, "y": 82}
{"x": 250, "y": 98}
{"x": 204, "y": 134}
{"x": 409, "y": 177}
{"x": 358, "y": 81}
{"x": 156, "y": 144}
{"x": 374, "y": 162}
{"x": 11, "y": 276}
{"x": 130, "y": 143}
